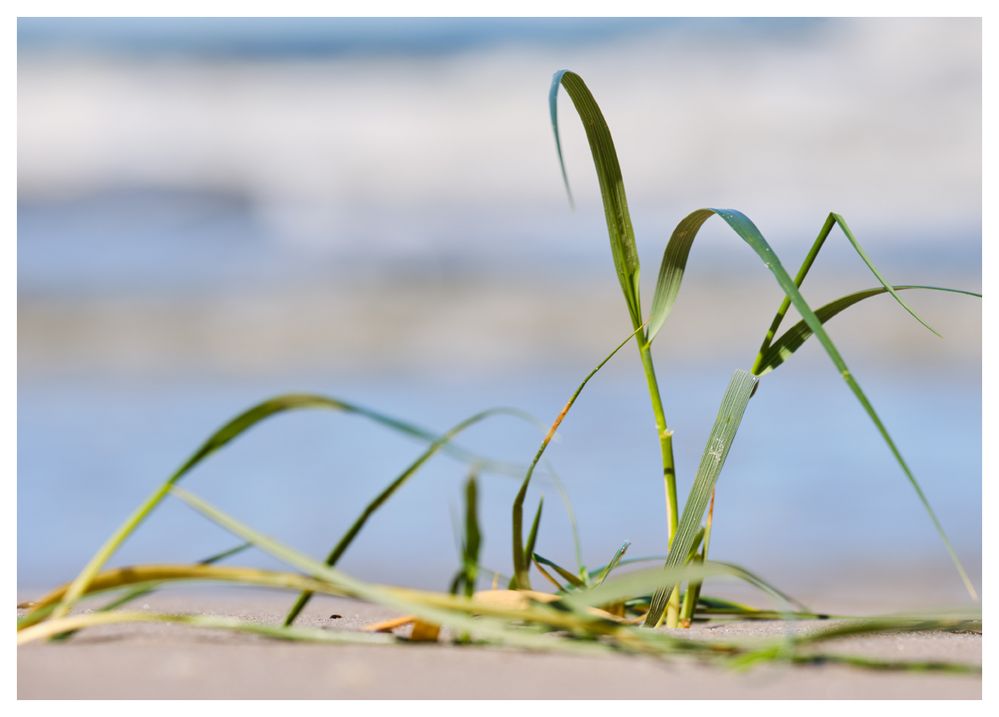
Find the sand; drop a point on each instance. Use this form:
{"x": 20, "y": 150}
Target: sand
{"x": 165, "y": 662}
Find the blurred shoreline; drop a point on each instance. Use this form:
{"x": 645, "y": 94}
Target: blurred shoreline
{"x": 482, "y": 326}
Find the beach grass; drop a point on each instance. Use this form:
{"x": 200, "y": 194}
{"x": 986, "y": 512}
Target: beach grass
{"x": 610, "y": 608}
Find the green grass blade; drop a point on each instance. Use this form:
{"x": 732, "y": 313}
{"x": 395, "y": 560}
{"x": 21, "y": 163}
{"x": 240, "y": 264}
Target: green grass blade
{"x": 874, "y": 270}
{"x": 371, "y": 508}
{"x": 622, "y": 235}
{"x": 228, "y": 432}
{"x": 142, "y": 592}
{"x": 623, "y": 250}
{"x": 150, "y": 588}
{"x": 629, "y": 561}
{"x": 672, "y": 267}
{"x": 831, "y": 221}
{"x": 473, "y": 537}
{"x": 748, "y": 232}
{"x": 792, "y": 339}
{"x": 614, "y": 562}
{"x": 643, "y": 582}
{"x": 521, "y": 558}
{"x": 532, "y": 537}
{"x": 566, "y": 574}
{"x": 720, "y": 440}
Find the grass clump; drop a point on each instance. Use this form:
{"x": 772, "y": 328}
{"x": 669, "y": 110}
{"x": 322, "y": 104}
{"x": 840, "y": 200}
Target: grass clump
{"x": 591, "y": 610}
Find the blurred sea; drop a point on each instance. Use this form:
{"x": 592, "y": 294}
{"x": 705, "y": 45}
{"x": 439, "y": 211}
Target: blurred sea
{"x": 211, "y": 212}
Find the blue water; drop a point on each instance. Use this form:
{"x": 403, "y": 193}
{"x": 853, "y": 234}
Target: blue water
{"x": 808, "y": 483}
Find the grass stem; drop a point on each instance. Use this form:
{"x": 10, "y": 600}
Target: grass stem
{"x": 669, "y": 469}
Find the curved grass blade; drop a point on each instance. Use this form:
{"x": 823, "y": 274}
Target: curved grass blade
{"x": 832, "y": 220}
{"x": 748, "y": 232}
{"x": 141, "y": 576}
{"x": 341, "y": 547}
{"x": 521, "y": 560}
{"x": 643, "y": 582}
{"x": 730, "y": 413}
{"x": 144, "y": 574}
{"x": 217, "y": 440}
{"x": 622, "y": 234}
{"x": 150, "y": 588}
{"x": 792, "y": 339}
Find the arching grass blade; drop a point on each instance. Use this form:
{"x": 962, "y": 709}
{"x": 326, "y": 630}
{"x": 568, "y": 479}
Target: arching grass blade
{"x": 792, "y": 339}
{"x": 225, "y": 434}
{"x": 622, "y": 235}
{"x": 625, "y": 255}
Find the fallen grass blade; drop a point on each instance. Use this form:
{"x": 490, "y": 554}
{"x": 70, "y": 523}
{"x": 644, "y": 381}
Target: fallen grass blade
{"x": 722, "y": 434}
{"x": 150, "y": 588}
{"x": 142, "y": 592}
{"x": 792, "y": 339}
{"x": 371, "y": 508}
{"x": 748, "y": 232}
{"x": 74, "y": 623}
{"x": 971, "y": 622}
{"x": 521, "y": 606}
{"x": 622, "y": 235}
{"x": 529, "y": 636}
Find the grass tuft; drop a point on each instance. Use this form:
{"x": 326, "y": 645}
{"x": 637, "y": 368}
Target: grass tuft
{"x": 604, "y": 610}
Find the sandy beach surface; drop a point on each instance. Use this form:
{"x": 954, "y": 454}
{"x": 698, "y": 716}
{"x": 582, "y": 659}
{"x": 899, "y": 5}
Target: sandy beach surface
{"x": 165, "y": 662}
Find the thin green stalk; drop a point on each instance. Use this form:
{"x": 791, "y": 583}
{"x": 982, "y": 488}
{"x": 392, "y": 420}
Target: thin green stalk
{"x": 669, "y": 470}
{"x": 831, "y": 221}
{"x": 799, "y": 278}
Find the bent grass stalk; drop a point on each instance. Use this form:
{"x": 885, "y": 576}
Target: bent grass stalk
{"x": 592, "y": 611}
